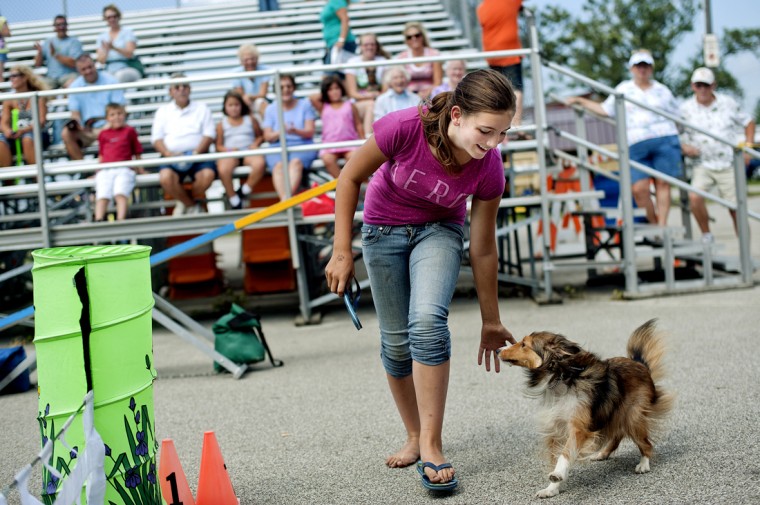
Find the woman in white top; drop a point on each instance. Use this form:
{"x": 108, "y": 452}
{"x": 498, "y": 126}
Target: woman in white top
{"x": 237, "y": 131}
{"x": 423, "y": 77}
{"x": 117, "y": 45}
{"x": 365, "y": 84}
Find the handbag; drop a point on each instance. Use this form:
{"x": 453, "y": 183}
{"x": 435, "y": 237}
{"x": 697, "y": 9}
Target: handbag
{"x": 136, "y": 64}
{"x": 239, "y": 337}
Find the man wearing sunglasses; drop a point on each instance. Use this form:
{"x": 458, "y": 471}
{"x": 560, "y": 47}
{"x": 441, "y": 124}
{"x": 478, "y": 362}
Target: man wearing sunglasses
{"x": 184, "y": 128}
{"x": 712, "y": 161}
{"x": 59, "y": 53}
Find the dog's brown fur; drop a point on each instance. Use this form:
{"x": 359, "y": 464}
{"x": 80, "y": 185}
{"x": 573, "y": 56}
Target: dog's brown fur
{"x": 590, "y": 403}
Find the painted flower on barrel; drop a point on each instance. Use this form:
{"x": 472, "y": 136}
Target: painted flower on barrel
{"x": 132, "y": 478}
{"x": 132, "y": 404}
{"x": 152, "y": 473}
{"x": 108, "y": 450}
{"x": 137, "y": 417}
{"x": 52, "y": 485}
{"x": 74, "y": 451}
{"x": 142, "y": 445}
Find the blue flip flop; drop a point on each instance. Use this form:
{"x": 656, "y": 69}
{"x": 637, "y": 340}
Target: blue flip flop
{"x": 433, "y": 486}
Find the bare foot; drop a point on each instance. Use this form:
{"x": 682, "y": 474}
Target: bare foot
{"x": 407, "y": 455}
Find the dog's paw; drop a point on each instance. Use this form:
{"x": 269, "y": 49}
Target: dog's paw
{"x": 643, "y": 466}
{"x": 599, "y": 456}
{"x": 552, "y": 490}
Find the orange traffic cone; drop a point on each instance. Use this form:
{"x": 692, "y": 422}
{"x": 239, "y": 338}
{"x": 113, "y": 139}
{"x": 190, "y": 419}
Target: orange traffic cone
{"x": 214, "y": 485}
{"x": 174, "y": 486}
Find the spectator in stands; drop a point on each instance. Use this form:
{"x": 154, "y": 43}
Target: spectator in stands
{"x": 88, "y": 109}
{"x": 5, "y": 31}
{"x": 117, "y": 142}
{"x": 20, "y": 136}
{"x": 336, "y": 30}
{"x": 364, "y": 84}
{"x": 713, "y": 161}
{"x": 455, "y": 70}
{"x": 299, "y": 119}
{"x": 498, "y": 20}
{"x": 253, "y": 89}
{"x": 268, "y": 5}
{"x": 184, "y": 128}
{"x": 116, "y": 47}
{"x": 238, "y": 131}
{"x": 423, "y": 77}
{"x": 398, "y": 95}
{"x": 59, "y": 53}
{"x": 422, "y": 165}
{"x": 340, "y": 122}
{"x": 653, "y": 138}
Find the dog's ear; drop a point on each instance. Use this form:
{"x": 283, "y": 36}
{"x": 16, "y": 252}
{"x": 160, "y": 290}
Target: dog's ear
{"x": 563, "y": 347}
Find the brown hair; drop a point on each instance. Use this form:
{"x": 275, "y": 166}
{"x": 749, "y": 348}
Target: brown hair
{"x": 115, "y": 106}
{"x": 484, "y": 90}
{"x": 380, "y": 50}
{"x": 244, "y": 109}
{"x": 327, "y": 82}
{"x": 112, "y": 7}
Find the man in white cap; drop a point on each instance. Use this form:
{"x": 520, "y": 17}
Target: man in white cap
{"x": 652, "y": 138}
{"x": 713, "y": 161}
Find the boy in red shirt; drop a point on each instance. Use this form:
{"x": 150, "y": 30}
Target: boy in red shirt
{"x": 118, "y": 142}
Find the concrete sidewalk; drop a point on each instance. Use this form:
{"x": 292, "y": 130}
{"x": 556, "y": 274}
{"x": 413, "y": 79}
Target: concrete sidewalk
{"x": 317, "y": 430}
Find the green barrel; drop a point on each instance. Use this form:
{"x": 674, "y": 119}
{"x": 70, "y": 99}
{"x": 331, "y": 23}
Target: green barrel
{"x": 93, "y": 330}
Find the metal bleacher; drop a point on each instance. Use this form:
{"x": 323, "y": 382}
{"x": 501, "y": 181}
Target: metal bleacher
{"x": 192, "y": 40}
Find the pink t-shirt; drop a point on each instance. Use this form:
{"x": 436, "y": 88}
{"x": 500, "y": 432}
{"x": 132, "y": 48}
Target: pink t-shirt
{"x": 413, "y": 188}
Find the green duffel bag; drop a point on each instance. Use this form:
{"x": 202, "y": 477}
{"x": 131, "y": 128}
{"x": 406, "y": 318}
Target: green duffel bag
{"x": 239, "y": 337}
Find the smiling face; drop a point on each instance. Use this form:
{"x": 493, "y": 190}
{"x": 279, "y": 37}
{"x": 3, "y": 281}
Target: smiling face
{"x": 414, "y": 38}
{"x": 473, "y": 135}
{"x": 455, "y": 71}
{"x": 249, "y": 61}
{"x": 61, "y": 27}
{"x": 116, "y": 118}
{"x": 86, "y": 68}
{"x": 112, "y": 18}
{"x": 398, "y": 81}
{"x": 703, "y": 92}
{"x": 368, "y": 47}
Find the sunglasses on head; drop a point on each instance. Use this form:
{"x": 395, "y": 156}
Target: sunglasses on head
{"x": 411, "y": 36}
{"x": 351, "y": 297}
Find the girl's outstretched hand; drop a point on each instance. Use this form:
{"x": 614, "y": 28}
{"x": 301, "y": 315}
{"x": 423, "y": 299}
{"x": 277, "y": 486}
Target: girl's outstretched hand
{"x": 492, "y": 338}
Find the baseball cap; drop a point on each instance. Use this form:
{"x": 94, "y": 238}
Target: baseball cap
{"x": 703, "y": 74}
{"x": 640, "y": 57}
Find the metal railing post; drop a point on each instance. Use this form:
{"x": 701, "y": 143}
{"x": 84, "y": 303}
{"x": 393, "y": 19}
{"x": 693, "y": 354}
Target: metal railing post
{"x": 540, "y": 121}
{"x": 742, "y": 218}
{"x": 626, "y": 196}
{"x": 302, "y": 281}
{"x": 42, "y": 195}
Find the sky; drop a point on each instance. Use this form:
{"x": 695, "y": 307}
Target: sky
{"x": 725, "y": 14}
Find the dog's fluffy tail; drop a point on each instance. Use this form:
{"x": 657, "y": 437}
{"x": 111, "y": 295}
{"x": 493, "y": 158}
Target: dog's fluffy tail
{"x": 646, "y": 346}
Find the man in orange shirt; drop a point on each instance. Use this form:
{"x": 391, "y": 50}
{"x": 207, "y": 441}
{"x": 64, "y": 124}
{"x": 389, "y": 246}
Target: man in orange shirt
{"x": 498, "y": 20}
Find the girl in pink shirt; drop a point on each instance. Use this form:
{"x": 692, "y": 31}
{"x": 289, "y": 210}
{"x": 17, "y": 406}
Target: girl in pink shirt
{"x": 424, "y": 163}
{"x": 340, "y": 121}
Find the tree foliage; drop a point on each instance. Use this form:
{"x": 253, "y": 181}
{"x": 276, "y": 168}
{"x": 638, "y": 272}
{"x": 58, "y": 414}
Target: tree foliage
{"x": 600, "y": 40}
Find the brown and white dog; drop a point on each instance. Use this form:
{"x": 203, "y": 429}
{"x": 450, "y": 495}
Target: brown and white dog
{"x": 590, "y": 404}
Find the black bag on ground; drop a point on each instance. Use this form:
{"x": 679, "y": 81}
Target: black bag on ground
{"x": 239, "y": 337}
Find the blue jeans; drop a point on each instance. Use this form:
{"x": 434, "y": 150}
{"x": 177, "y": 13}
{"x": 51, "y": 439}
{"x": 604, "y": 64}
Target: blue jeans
{"x": 661, "y": 153}
{"x": 413, "y": 271}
